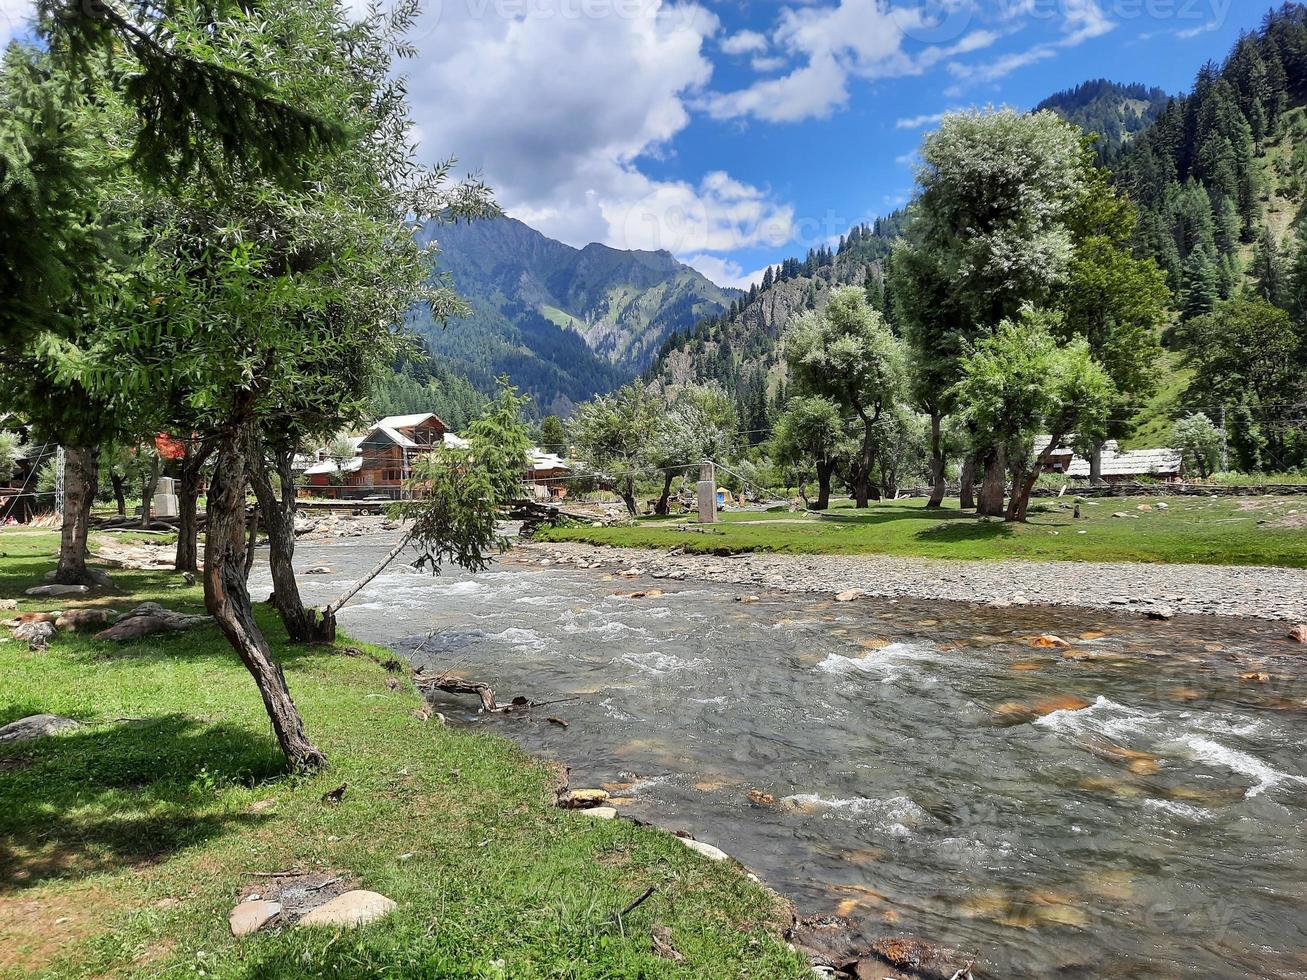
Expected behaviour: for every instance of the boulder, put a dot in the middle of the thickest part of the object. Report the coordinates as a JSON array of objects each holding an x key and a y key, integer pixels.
[
  {"x": 601, "y": 812},
  {"x": 80, "y": 620},
  {"x": 583, "y": 799},
  {"x": 1161, "y": 613},
  {"x": 318, "y": 570},
  {"x": 37, "y": 635},
  {"x": 707, "y": 850},
  {"x": 1299, "y": 634},
  {"x": 33, "y": 617},
  {"x": 146, "y": 619},
  {"x": 98, "y": 579},
  {"x": 8, "y": 604},
  {"x": 58, "y": 590},
  {"x": 1144, "y": 508},
  {"x": 354, "y": 908},
  {"x": 36, "y": 726},
  {"x": 248, "y": 917},
  {"x": 848, "y": 596}
]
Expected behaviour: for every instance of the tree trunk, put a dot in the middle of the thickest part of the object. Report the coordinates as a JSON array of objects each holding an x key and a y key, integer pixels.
[
  {"x": 228, "y": 600},
  {"x": 863, "y": 490},
  {"x": 627, "y": 494},
  {"x": 188, "y": 496},
  {"x": 993, "y": 489},
  {"x": 661, "y": 507},
  {"x": 147, "y": 493},
  {"x": 938, "y": 485},
  {"x": 967, "y": 490},
  {"x": 119, "y": 493},
  {"x": 1096, "y": 465},
  {"x": 1023, "y": 484},
  {"x": 278, "y": 512},
  {"x": 824, "y": 473},
  {"x": 81, "y": 481},
  {"x": 251, "y": 542}
]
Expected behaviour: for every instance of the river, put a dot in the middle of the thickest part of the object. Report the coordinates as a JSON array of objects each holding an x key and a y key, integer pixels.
[{"x": 1133, "y": 805}]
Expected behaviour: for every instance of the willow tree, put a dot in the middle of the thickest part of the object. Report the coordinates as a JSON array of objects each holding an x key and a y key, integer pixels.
[
  {"x": 275, "y": 304},
  {"x": 847, "y": 353},
  {"x": 988, "y": 236}
]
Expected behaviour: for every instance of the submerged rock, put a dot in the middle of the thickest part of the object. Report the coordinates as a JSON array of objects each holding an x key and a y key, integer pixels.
[
  {"x": 584, "y": 799},
  {"x": 1298, "y": 634}
]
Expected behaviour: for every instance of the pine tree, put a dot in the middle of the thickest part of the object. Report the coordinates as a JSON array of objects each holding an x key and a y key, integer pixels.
[{"x": 1200, "y": 289}]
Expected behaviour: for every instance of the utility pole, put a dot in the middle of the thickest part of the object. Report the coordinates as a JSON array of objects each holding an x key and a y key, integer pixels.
[
  {"x": 1225, "y": 449},
  {"x": 707, "y": 493}
]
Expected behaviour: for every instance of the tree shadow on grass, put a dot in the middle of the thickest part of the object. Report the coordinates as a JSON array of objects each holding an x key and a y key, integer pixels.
[
  {"x": 888, "y": 513},
  {"x": 959, "y": 531},
  {"x": 116, "y": 796}
]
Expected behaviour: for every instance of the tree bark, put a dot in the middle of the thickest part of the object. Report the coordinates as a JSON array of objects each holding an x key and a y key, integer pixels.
[
  {"x": 627, "y": 493},
  {"x": 147, "y": 493},
  {"x": 228, "y": 600},
  {"x": 251, "y": 542},
  {"x": 1096, "y": 465},
  {"x": 188, "y": 496},
  {"x": 1023, "y": 483},
  {"x": 119, "y": 493},
  {"x": 938, "y": 485},
  {"x": 661, "y": 507},
  {"x": 81, "y": 481},
  {"x": 993, "y": 490},
  {"x": 278, "y": 513},
  {"x": 967, "y": 490},
  {"x": 864, "y": 490},
  {"x": 825, "y": 471}
]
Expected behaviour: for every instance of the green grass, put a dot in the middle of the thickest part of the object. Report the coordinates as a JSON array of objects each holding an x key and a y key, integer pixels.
[
  {"x": 1192, "y": 530},
  {"x": 1158, "y": 416},
  {"x": 124, "y": 845}
]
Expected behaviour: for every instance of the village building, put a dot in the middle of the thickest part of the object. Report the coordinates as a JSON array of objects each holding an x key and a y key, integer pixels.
[
  {"x": 547, "y": 475},
  {"x": 383, "y": 459},
  {"x": 1118, "y": 465}
]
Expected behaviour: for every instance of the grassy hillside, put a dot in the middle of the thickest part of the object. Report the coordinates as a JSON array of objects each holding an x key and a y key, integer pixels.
[{"x": 124, "y": 844}]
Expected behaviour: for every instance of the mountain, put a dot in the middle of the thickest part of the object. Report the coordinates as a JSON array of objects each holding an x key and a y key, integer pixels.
[
  {"x": 741, "y": 349},
  {"x": 564, "y": 323},
  {"x": 1114, "y": 111}
]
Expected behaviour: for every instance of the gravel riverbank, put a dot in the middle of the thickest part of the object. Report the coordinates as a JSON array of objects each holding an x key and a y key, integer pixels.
[{"x": 1214, "y": 590}]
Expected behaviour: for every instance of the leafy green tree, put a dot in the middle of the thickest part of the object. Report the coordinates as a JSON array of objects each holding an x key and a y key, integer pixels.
[
  {"x": 613, "y": 437},
  {"x": 1199, "y": 442},
  {"x": 812, "y": 437},
  {"x": 990, "y": 234},
  {"x": 551, "y": 435},
  {"x": 10, "y": 454},
  {"x": 848, "y": 354},
  {"x": 1269, "y": 271},
  {"x": 701, "y": 424},
  {"x": 1248, "y": 353},
  {"x": 1019, "y": 383}
]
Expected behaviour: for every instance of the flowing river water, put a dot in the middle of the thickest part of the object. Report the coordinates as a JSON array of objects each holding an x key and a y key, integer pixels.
[{"x": 1133, "y": 806}]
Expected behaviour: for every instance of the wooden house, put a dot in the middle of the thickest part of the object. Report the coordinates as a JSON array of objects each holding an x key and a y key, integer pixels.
[{"x": 383, "y": 458}]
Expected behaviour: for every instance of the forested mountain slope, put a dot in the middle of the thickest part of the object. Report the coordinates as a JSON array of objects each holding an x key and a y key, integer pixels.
[
  {"x": 565, "y": 324},
  {"x": 1114, "y": 111},
  {"x": 740, "y": 349}
]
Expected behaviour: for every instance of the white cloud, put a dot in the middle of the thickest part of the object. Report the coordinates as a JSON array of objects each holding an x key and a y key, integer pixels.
[
  {"x": 726, "y": 272},
  {"x": 745, "y": 42},
  {"x": 917, "y": 122},
  {"x": 557, "y": 108},
  {"x": 14, "y": 15},
  {"x": 767, "y": 64},
  {"x": 1082, "y": 20}
]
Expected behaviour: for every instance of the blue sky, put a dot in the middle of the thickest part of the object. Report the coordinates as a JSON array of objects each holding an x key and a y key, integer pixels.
[{"x": 738, "y": 133}]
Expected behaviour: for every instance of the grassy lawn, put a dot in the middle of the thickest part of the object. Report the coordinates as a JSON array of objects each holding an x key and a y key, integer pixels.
[
  {"x": 1190, "y": 530},
  {"x": 123, "y": 845}
]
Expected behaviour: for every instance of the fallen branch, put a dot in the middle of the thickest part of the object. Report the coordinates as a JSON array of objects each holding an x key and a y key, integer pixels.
[
  {"x": 459, "y": 685},
  {"x": 335, "y": 607},
  {"x": 648, "y": 893}
]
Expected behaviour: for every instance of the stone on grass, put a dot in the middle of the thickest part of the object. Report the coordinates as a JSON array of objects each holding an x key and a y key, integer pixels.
[
  {"x": 248, "y": 917},
  {"x": 58, "y": 590},
  {"x": 355, "y": 908},
  {"x": 146, "y": 619},
  {"x": 85, "y": 619},
  {"x": 601, "y": 812},
  {"x": 37, "y": 633},
  {"x": 8, "y": 604},
  {"x": 36, "y": 726},
  {"x": 707, "y": 850}
]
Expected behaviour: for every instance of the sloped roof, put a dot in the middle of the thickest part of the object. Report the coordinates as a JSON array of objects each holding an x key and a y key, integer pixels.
[
  {"x": 452, "y": 440},
  {"x": 394, "y": 435},
  {"x": 407, "y": 421},
  {"x": 546, "y": 461},
  {"x": 328, "y": 466},
  {"x": 1138, "y": 462}
]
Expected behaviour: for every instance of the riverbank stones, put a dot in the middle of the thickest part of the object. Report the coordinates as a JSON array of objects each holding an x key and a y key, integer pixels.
[{"x": 707, "y": 850}]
